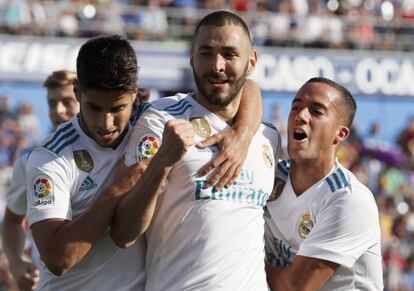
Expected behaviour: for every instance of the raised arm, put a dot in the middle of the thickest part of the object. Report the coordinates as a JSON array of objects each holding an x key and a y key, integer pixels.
[
  {"x": 135, "y": 210},
  {"x": 234, "y": 143},
  {"x": 304, "y": 274}
]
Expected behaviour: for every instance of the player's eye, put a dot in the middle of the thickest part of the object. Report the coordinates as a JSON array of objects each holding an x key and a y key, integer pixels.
[{"x": 118, "y": 108}]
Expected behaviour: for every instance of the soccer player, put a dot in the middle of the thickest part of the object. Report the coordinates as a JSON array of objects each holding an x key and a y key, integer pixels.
[
  {"x": 62, "y": 106},
  {"x": 322, "y": 226},
  {"x": 69, "y": 204},
  {"x": 200, "y": 237}
]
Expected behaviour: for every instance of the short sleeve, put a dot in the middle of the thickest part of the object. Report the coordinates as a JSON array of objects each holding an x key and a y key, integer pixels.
[
  {"x": 16, "y": 198},
  {"x": 48, "y": 180},
  {"x": 345, "y": 228},
  {"x": 146, "y": 137}
]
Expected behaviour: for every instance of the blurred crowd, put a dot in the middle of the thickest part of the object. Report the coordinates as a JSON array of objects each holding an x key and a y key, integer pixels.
[
  {"x": 19, "y": 128},
  {"x": 348, "y": 24},
  {"x": 388, "y": 170}
]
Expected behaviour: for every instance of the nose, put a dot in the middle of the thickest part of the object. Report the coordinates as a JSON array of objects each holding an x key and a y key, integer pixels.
[
  {"x": 218, "y": 63},
  {"x": 302, "y": 116},
  {"x": 60, "y": 109},
  {"x": 107, "y": 121}
]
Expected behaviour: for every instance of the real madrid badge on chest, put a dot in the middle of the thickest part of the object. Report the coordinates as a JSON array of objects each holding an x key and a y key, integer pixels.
[
  {"x": 305, "y": 225},
  {"x": 201, "y": 127},
  {"x": 83, "y": 160}
]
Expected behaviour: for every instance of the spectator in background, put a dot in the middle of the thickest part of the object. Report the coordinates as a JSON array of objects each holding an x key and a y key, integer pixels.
[
  {"x": 406, "y": 139},
  {"x": 29, "y": 122},
  {"x": 5, "y": 109},
  {"x": 62, "y": 106}
]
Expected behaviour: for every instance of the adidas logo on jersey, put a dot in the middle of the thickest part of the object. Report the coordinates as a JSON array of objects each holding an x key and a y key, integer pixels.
[{"x": 87, "y": 184}]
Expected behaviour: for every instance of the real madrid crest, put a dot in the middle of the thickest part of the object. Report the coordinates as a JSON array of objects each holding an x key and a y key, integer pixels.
[
  {"x": 277, "y": 189},
  {"x": 267, "y": 156},
  {"x": 83, "y": 160},
  {"x": 305, "y": 225},
  {"x": 201, "y": 126}
]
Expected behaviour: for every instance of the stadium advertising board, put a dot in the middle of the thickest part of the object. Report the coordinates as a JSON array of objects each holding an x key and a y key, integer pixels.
[{"x": 165, "y": 66}]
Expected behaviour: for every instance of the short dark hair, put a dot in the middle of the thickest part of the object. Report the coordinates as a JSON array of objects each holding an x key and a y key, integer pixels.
[
  {"x": 346, "y": 96},
  {"x": 107, "y": 63},
  {"x": 59, "y": 79},
  {"x": 222, "y": 18}
]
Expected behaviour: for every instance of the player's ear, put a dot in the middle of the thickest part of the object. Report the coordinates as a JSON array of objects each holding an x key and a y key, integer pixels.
[
  {"x": 252, "y": 62},
  {"x": 341, "y": 134}
]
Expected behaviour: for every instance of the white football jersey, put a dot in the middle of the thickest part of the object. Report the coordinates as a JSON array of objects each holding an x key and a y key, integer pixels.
[
  {"x": 64, "y": 176},
  {"x": 16, "y": 198},
  {"x": 201, "y": 238},
  {"x": 334, "y": 220}
]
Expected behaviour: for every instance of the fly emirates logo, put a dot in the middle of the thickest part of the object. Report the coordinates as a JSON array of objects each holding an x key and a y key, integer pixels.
[{"x": 243, "y": 190}]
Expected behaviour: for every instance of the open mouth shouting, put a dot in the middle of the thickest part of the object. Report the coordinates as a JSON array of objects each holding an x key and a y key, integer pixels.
[{"x": 299, "y": 134}]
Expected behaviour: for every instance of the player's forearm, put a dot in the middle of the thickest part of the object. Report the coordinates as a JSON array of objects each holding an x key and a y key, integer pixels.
[
  {"x": 304, "y": 274},
  {"x": 69, "y": 242},
  {"x": 135, "y": 210},
  {"x": 13, "y": 236},
  {"x": 250, "y": 113}
]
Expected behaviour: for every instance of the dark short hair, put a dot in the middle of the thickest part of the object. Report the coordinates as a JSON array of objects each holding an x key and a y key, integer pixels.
[
  {"x": 348, "y": 100},
  {"x": 107, "y": 63},
  {"x": 59, "y": 79},
  {"x": 222, "y": 18}
]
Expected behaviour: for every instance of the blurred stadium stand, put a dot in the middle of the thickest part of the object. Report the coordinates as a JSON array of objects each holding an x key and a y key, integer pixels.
[{"x": 365, "y": 45}]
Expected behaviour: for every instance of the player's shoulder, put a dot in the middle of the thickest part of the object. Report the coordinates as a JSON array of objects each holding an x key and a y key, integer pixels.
[
  {"x": 60, "y": 141},
  {"x": 167, "y": 108},
  {"x": 344, "y": 183},
  {"x": 175, "y": 105},
  {"x": 270, "y": 132}
]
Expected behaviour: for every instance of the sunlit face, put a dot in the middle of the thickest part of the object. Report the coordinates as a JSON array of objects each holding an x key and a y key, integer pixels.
[
  {"x": 221, "y": 59},
  {"x": 62, "y": 104},
  {"x": 105, "y": 114},
  {"x": 315, "y": 126}
]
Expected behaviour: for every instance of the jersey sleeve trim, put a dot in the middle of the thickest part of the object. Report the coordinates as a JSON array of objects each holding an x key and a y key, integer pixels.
[
  {"x": 179, "y": 108},
  {"x": 44, "y": 214},
  {"x": 337, "y": 180}
]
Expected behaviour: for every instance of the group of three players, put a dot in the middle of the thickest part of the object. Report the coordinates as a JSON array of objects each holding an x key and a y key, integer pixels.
[{"x": 174, "y": 194}]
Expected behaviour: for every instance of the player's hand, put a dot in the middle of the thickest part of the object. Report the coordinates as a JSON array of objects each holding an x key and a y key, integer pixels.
[
  {"x": 128, "y": 176},
  {"x": 178, "y": 137},
  {"x": 25, "y": 274},
  {"x": 233, "y": 147}
]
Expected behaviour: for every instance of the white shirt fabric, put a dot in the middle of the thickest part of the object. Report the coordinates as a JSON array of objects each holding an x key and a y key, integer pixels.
[
  {"x": 17, "y": 199},
  {"x": 200, "y": 239},
  {"x": 61, "y": 188},
  {"x": 334, "y": 220}
]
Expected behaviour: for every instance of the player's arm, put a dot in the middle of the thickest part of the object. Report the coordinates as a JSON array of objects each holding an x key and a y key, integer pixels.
[
  {"x": 304, "y": 274},
  {"x": 135, "y": 210},
  {"x": 64, "y": 242},
  {"x": 234, "y": 143},
  {"x": 14, "y": 235},
  {"x": 24, "y": 272}
]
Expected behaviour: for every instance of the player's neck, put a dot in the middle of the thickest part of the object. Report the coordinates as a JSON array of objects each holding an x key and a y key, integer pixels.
[
  {"x": 304, "y": 174},
  {"x": 226, "y": 113}
]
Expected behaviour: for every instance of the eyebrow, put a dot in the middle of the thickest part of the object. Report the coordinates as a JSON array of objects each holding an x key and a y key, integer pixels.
[
  {"x": 318, "y": 104},
  {"x": 209, "y": 47}
]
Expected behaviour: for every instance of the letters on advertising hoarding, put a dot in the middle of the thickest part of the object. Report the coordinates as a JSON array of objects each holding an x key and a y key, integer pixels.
[{"x": 166, "y": 67}]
